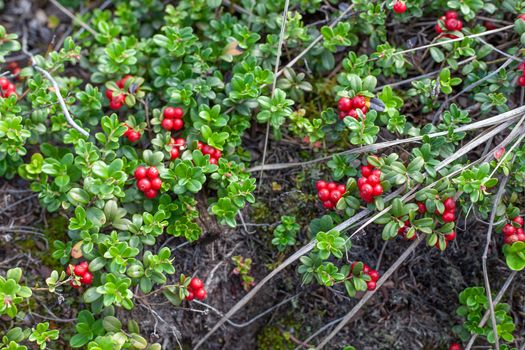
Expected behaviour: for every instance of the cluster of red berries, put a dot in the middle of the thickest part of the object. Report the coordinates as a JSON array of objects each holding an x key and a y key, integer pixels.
[
  {"x": 131, "y": 134},
  {"x": 116, "y": 102},
  {"x": 373, "y": 274},
  {"x": 196, "y": 290},
  {"x": 81, "y": 270},
  {"x": 448, "y": 214},
  {"x": 521, "y": 79},
  {"x": 449, "y": 22},
  {"x": 172, "y": 119},
  {"x": 348, "y": 106},
  {"x": 7, "y": 88},
  {"x": 214, "y": 153},
  {"x": 148, "y": 181},
  {"x": 177, "y": 145},
  {"x": 400, "y": 7},
  {"x": 369, "y": 183},
  {"x": 513, "y": 232},
  {"x": 329, "y": 193}
]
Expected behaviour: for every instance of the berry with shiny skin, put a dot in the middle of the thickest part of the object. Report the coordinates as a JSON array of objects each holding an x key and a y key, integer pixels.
[
  {"x": 151, "y": 193},
  {"x": 140, "y": 173},
  {"x": 143, "y": 185},
  {"x": 344, "y": 104},
  {"x": 133, "y": 136},
  {"x": 399, "y": 7},
  {"x": 152, "y": 173},
  {"x": 200, "y": 294},
  {"x": 156, "y": 184},
  {"x": 87, "y": 278},
  {"x": 196, "y": 283}
]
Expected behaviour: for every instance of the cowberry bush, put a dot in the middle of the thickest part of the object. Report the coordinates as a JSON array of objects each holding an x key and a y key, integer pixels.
[{"x": 150, "y": 123}]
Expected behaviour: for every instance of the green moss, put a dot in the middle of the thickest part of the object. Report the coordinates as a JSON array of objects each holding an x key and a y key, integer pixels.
[
  {"x": 272, "y": 338},
  {"x": 55, "y": 230}
]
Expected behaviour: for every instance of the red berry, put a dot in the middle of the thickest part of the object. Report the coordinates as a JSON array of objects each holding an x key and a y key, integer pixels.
[
  {"x": 196, "y": 283},
  {"x": 9, "y": 92},
  {"x": 177, "y": 124},
  {"x": 151, "y": 193},
  {"x": 520, "y": 231},
  {"x": 451, "y": 14},
  {"x": 180, "y": 142},
  {"x": 454, "y": 346},
  {"x": 421, "y": 207},
  {"x": 156, "y": 184},
  {"x": 4, "y": 83},
  {"x": 144, "y": 185},
  {"x": 342, "y": 189},
  {"x": 109, "y": 94},
  {"x": 344, "y": 104},
  {"x": 169, "y": 112},
  {"x": 451, "y": 23},
  {"x": 335, "y": 195},
  {"x": 377, "y": 173},
  {"x": 190, "y": 296},
  {"x": 359, "y": 101},
  {"x": 174, "y": 153},
  {"x": 353, "y": 114},
  {"x": 69, "y": 269},
  {"x": 521, "y": 237},
  {"x": 374, "y": 275},
  {"x": 328, "y": 204},
  {"x": 448, "y": 217},
  {"x": 522, "y": 16},
  {"x": 459, "y": 26},
  {"x": 361, "y": 181},
  {"x": 200, "y": 145},
  {"x": 179, "y": 113},
  {"x": 518, "y": 220},
  {"x": 200, "y": 294},
  {"x": 80, "y": 269},
  {"x": 450, "y": 204},
  {"x": 366, "y": 171},
  {"x": 207, "y": 150},
  {"x": 508, "y": 230},
  {"x": 167, "y": 124},
  {"x": 320, "y": 185},
  {"x": 373, "y": 179},
  {"x": 366, "y": 268},
  {"x": 140, "y": 173},
  {"x": 213, "y": 160},
  {"x": 364, "y": 109},
  {"x": 400, "y": 7},
  {"x": 217, "y": 154},
  {"x": 152, "y": 173},
  {"x": 324, "y": 194},
  {"x": 451, "y": 236},
  {"x": 120, "y": 83},
  {"x": 521, "y": 81},
  {"x": 511, "y": 239},
  {"x": 438, "y": 28},
  {"x": 87, "y": 278},
  {"x": 367, "y": 190},
  {"x": 370, "y": 285},
  {"x": 331, "y": 186},
  {"x": 133, "y": 136},
  {"x": 115, "y": 104},
  {"x": 489, "y": 25},
  {"x": 378, "y": 190},
  {"x": 342, "y": 115}
]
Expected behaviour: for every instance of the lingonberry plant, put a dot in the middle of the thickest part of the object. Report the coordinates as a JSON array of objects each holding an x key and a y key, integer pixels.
[{"x": 147, "y": 124}]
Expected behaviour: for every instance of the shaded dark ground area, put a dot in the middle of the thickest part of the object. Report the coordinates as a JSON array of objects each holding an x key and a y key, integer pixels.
[{"x": 414, "y": 310}]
